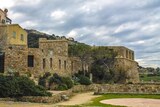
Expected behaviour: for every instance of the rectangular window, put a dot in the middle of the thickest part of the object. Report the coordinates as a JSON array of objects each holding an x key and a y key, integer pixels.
[
  {"x": 51, "y": 62},
  {"x": 59, "y": 64},
  {"x": 14, "y": 34},
  {"x": 72, "y": 66},
  {"x": 22, "y": 37},
  {"x": 2, "y": 59},
  {"x": 44, "y": 63},
  {"x": 30, "y": 61},
  {"x": 126, "y": 53},
  {"x": 132, "y": 56},
  {"x": 65, "y": 65}
]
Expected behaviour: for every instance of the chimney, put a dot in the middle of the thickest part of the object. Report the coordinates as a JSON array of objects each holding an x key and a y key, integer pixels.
[{"x": 6, "y": 11}]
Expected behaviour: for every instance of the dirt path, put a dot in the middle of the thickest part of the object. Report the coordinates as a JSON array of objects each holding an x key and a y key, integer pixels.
[
  {"x": 79, "y": 99},
  {"x": 133, "y": 102},
  {"x": 75, "y": 100},
  {"x": 22, "y": 104}
]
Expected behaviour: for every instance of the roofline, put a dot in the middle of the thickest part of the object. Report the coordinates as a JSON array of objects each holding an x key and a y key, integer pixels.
[
  {"x": 44, "y": 41},
  {"x": 2, "y": 10},
  {"x": 6, "y": 25},
  {"x": 116, "y": 46}
]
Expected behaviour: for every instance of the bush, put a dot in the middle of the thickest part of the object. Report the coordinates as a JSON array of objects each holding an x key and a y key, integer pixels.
[
  {"x": 42, "y": 80},
  {"x": 68, "y": 81},
  {"x": 11, "y": 86},
  {"x": 63, "y": 83},
  {"x": 62, "y": 87},
  {"x": 84, "y": 80}
]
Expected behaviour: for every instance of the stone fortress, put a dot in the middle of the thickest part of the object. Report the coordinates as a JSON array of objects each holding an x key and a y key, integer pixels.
[{"x": 51, "y": 55}]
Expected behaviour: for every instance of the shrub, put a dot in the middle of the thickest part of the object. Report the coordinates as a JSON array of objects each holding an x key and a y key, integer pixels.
[
  {"x": 75, "y": 80},
  {"x": 63, "y": 83},
  {"x": 11, "y": 86},
  {"x": 68, "y": 81},
  {"x": 84, "y": 80},
  {"x": 43, "y": 79},
  {"x": 62, "y": 87}
]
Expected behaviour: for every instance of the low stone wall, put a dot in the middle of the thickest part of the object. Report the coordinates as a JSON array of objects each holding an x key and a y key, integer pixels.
[
  {"x": 39, "y": 99},
  {"x": 97, "y": 88},
  {"x": 84, "y": 88},
  {"x": 129, "y": 88}
]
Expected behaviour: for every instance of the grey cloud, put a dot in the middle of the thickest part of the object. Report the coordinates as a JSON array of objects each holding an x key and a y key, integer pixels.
[{"x": 110, "y": 17}]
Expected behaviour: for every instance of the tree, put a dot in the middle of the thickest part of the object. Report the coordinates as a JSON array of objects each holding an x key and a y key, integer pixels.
[
  {"x": 82, "y": 51},
  {"x": 104, "y": 56},
  {"x": 102, "y": 66}
]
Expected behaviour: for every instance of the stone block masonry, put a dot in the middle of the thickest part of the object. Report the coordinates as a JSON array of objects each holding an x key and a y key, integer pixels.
[
  {"x": 52, "y": 56},
  {"x": 15, "y": 59}
]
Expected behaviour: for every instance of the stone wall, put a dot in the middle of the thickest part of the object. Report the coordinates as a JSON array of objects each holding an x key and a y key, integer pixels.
[
  {"x": 119, "y": 88},
  {"x": 128, "y": 88},
  {"x": 52, "y": 56},
  {"x": 128, "y": 68},
  {"x": 123, "y": 52},
  {"x": 97, "y": 88},
  {"x": 38, "y": 99},
  {"x": 16, "y": 59}
]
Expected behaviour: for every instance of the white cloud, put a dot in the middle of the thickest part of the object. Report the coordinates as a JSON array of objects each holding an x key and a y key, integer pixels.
[
  {"x": 72, "y": 33},
  {"x": 28, "y": 2},
  {"x": 29, "y": 24},
  {"x": 58, "y": 14},
  {"x": 6, "y": 3},
  {"x": 132, "y": 23}
]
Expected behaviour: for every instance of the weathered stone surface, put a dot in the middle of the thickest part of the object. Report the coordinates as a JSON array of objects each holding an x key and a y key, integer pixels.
[
  {"x": 55, "y": 54},
  {"x": 52, "y": 56},
  {"x": 125, "y": 63},
  {"x": 15, "y": 59},
  {"x": 129, "y": 88}
]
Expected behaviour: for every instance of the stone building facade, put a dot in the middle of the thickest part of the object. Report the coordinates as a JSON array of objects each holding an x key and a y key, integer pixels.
[
  {"x": 13, "y": 48},
  {"x": 50, "y": 56},
  {"x": 125, "y": 62}
]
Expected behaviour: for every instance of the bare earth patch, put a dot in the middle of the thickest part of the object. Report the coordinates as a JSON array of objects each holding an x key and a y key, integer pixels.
[
  {"x": 133, "y": 102},
  {"x": 79, "y": 99},
  {"x": 22, "y": 104}
]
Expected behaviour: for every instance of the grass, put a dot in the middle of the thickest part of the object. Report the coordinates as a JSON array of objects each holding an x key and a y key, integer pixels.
[
  {"x": 96, "y": 101},
  {"x": 146, "y": 78}
]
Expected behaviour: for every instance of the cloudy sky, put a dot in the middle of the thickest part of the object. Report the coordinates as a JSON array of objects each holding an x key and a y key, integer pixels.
[{"x": 131, "y": 23}]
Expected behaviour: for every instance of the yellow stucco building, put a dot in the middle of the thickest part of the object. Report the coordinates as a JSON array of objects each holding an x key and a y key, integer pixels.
[{"x": 15, "y": 34}]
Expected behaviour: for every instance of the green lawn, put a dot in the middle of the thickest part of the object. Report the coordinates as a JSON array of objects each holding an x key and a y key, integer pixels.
[
  {"x": 96, "y": 102},
  {"x": 146, "y": 78}
]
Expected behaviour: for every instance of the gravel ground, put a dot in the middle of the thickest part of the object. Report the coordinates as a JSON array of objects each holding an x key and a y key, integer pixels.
[
  {"x": 78, "y": 99},
  {"x": 133, "y": 102}
]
